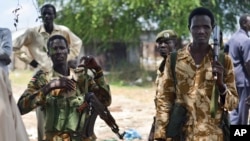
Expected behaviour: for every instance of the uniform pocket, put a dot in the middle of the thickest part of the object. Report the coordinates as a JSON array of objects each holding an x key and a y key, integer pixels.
[
  {"x": 51, "y": 113},
  {"x": 73, "y": 115},
  {"x": 209, "y": 80}
]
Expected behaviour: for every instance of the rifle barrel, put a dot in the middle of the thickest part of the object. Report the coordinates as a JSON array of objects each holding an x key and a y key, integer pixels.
[{"x": 216, "y": 45}]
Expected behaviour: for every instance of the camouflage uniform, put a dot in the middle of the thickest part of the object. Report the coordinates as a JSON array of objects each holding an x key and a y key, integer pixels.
[
  {"x": 61, "y": 116},
  {"x": 162, "y": 48},
  {"x": 31, "y": 45},
  {"x": 167, "y": 35},
  {"x": 158, "y": 80},
  {"x": 194, "y": 90}
]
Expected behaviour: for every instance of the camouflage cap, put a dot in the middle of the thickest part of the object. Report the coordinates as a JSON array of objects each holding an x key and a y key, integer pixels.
[{"x": 168, "y": 34}]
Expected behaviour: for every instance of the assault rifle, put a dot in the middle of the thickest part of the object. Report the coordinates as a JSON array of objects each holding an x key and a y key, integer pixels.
[
  {"x": 224, "y": 123},
  {"x": 216, "y": 45},
  {"x": 97, "y": 108}
]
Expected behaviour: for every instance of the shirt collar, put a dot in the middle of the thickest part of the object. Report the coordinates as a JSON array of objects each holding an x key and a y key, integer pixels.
[
  {"x": 72, "y": 75},
  {"x": 55, "y": 28},
  {"x": 241, "y": 30}
]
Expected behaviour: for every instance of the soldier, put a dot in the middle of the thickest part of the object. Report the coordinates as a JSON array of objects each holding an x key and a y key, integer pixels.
[
  {"x": 35, "y": 39},
  {"x": 12, "y": 127},
  {"x": 194, "y": 71},
  {"x": 166, "y": 42},
  {"x": 62, "y": 91}
]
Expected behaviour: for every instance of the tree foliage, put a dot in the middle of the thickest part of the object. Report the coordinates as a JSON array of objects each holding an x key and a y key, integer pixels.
[
  {"x": 227, "y": 12},
  {"x": 99, "y": 21}
]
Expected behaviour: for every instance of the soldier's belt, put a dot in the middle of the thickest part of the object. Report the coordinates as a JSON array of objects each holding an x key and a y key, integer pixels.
[
  {"x": 57, "y": 136},
  {"x": 67, "y": 136},
  {"x": 62, "y": 135}
]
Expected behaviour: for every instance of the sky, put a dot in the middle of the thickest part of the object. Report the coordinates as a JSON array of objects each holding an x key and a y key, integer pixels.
[{"x": 27, "y": 14}]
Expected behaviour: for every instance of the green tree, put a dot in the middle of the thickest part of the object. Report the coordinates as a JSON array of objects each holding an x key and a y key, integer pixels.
[
  {"x": 99, "y": 21},
  {"x": 121, "y": 20},
  {"x": 104, "y": 25},
  {"x": 227, "y": 12}
]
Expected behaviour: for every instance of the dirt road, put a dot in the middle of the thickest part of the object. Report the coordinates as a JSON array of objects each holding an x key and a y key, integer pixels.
[{"x": 132, "y": 108}]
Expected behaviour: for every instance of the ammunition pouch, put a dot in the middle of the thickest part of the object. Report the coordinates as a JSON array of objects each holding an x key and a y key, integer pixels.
[
  {"x": 69, "y": 136},
  {"x": 65, "y": 116},
  {"x": 225, "y": 125},
  {"x": 177, "y": 119}
]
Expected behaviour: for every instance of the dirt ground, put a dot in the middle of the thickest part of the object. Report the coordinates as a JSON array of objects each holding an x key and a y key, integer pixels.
[{"x": 132, "y": 108}]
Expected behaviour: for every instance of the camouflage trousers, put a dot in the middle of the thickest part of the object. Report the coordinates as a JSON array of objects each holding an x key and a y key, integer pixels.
[{"x": 59, "y": 136}]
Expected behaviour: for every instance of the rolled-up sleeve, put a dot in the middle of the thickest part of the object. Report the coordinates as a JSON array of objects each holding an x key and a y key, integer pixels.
[{"x": 231, "y": 98}]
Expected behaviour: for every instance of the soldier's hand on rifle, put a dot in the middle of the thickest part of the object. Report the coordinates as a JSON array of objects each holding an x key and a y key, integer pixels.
[
  {"x": 218, "y": 71},
  {"x": 90, "y": 63},
  {"x": 61, "y": 83}
]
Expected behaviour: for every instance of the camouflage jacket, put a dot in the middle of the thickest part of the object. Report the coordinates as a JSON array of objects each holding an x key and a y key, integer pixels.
[
  {"x": 194, "y": 90},
  {"x": 158, "y": 79},
  {"x": 60, "y": 105}
]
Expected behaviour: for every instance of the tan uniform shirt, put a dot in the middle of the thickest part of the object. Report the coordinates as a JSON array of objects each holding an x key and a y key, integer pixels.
[
  {"x": 158, "y": 82},
  {"x": 12, "y": 126},
  {"x": 35, "y": 40},
  {"x": 194, "y": 87}
]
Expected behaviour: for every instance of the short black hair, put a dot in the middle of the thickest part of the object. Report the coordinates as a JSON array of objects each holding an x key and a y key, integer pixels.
[
  {"x": 201, "y": 11},
  {"x": 243, "y": 19},
  {"x": 54, "y": 37},
  {"x": 47, "y": 6}
]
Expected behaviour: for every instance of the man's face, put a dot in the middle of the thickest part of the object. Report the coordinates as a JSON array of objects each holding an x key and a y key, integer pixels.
[
  {"x": 247, "y": 24},
  {"x": 48, "y": 15},
  {"x": 58, "y": 51},
  {"x": 201, "y": 29},
  {"x": 165, "y": 46}
]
